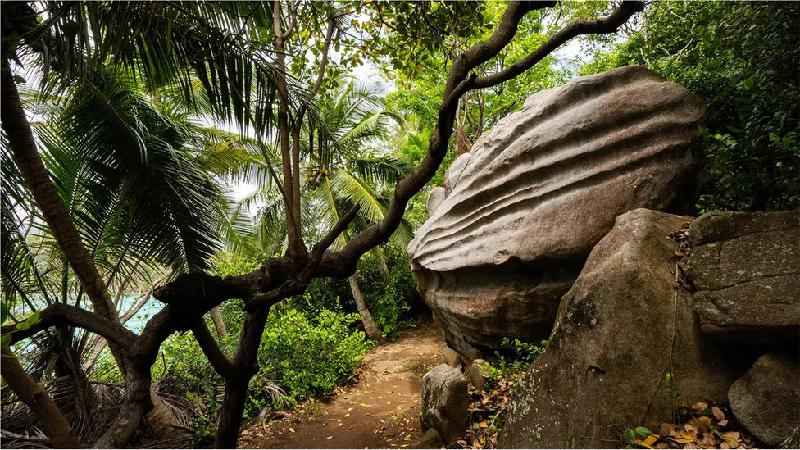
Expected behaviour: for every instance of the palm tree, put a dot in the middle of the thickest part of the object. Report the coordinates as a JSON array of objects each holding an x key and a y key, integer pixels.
[
  {"x": 343, "y": 165},
  {"x": 144, "y": 213},
  {"x": 347, "y": 167},
  {"x": 215, "y": 44}
]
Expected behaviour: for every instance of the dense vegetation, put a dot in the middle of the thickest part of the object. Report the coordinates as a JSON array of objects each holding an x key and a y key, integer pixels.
[
  {"x": 169, "y": 170},
  {"x": 742, "y": 59}
]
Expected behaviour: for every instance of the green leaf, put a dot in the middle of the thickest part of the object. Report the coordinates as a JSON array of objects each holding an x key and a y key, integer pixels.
[
  {"x": 29, "y": 321},
  {"x": 629, "y": 436},
  {"x": 642, "y": 431}
]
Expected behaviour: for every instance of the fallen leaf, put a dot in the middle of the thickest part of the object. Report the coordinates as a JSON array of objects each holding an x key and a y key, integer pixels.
[
  {"x": 718, "y": 414},
  {"x": 648, "y": 441},
  {"x": 666, "y": 429},
  {"x": 700, "y": 406},
  {"x": 702, "y": 423},
  {"x": 329, "y": 438},
  {"x": 731, "y": 438},
  {"x": 291, "y": 430},
  {"x": 483, "y": 424}
]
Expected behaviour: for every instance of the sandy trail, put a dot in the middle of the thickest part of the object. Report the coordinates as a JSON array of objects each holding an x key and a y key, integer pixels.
[{"x": 380, "y": 411}]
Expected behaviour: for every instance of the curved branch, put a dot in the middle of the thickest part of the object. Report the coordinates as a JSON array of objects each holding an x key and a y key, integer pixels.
[
  {"x": 605, "y": 25},
  {"x": 63, "y": 314},
  {"x": 459, "y": 82},
  {"x": 215, "y": 356}
]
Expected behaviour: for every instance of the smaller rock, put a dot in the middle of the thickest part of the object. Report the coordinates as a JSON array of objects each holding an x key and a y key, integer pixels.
[
  {"x": 744, "y": 268},
  {"x": 474, "y": 375},
  {"x": 766, "y": 400},
  {"x": 451, "y": 357},
  {"x": 445, "y": 402}
]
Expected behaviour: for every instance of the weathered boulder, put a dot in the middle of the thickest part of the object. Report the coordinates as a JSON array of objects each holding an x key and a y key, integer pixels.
[
  {"x": 445, "y": 402},
  {"x": 624, "y": 343},
  {"x": 767, "y": 399},
  {"x": 745, "y": 268},
  {"x": 525, "y": 206}
]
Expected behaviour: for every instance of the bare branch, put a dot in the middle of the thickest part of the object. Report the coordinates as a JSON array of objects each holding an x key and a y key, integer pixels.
[
  {"x": 62, "y": 314},
  {"x": 215, "y": 356},
  {"x": 605, "y": 25},
  {"x": 459, "y": 82},
  {"x": 338, "y": 229}
]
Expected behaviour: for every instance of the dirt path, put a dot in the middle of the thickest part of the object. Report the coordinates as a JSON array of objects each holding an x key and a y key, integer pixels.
[{"x": 380, "y": 411}]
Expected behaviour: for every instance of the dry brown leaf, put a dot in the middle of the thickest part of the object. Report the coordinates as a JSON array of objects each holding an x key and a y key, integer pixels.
[
  {"x": 731, "y": 438},
  {"x": 707, "y": 441},
  {"x": 702, "y": 423},
  {"x": 718, "y": 414},
  {"x": 700, "y": 406}
]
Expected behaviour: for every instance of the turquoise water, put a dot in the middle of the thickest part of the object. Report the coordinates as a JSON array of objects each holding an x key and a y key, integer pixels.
[{"x": 137, "y": 322}]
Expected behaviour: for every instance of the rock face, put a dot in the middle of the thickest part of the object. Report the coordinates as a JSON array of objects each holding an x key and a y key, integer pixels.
[
  {"x": 767, "y": 399},
  {"x": 445, "y": 402},
  {"x": 746, "y": 270},
  {"x": 525, "y": 206},
  {"x": 625, "y": 342}
]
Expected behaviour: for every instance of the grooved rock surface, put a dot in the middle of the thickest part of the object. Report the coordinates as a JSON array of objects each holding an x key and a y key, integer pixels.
[
  {"x": 767, "y": 399},
  {"x": 621, "y": 329},
  {"x": 445, "y": 402},
  {"x": 525, "y": 206},
  {"x": 746, "y": 270}
]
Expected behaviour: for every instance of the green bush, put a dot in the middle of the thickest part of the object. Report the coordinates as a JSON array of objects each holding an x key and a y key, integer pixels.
[
  {"x": 310, "y": 356},
  {"x": 742, "y": 59},
  {"x": 388, "y": 293}
]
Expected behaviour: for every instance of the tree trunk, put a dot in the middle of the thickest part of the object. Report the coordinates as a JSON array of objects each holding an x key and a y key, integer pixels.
[
  {"x": 246, "y": 365},
  {"x": 219, "y": 324},
  {"x": 370, "y": 327},
  {"x": 136, "y": 405},
  {"x": 55, "y": 425},
  {"x": 230, "y": 415},
  {"x": 23, "y": 146}
]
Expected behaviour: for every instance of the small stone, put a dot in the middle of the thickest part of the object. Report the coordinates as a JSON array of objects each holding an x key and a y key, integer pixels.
[{"x": 766, "y": 400}]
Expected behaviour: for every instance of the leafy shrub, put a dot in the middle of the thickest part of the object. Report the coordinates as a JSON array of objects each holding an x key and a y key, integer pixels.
[
  {"x": 513, "y": 356},
  {"x": 388, "y": 294},
  {"x": 310, "y": 356},
  {"x": 742, "y": 59}
]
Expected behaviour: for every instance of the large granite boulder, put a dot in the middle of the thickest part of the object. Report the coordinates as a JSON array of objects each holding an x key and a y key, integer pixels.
[
  {"x": 767, "y": 399},
  {"x": 745, "y": 268},
  {"x": 525, "y": 206},
  {"x": 624, "y": 344}
]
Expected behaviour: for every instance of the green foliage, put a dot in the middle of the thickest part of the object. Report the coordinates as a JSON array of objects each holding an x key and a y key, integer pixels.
[
  {"x": 513, "y": 355},
  {"x": 389, "y": 287},
  {"x": 631, "y": 435},
  {"x": 742, "y": 58},
  {"x": 310, "y": 356}
]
